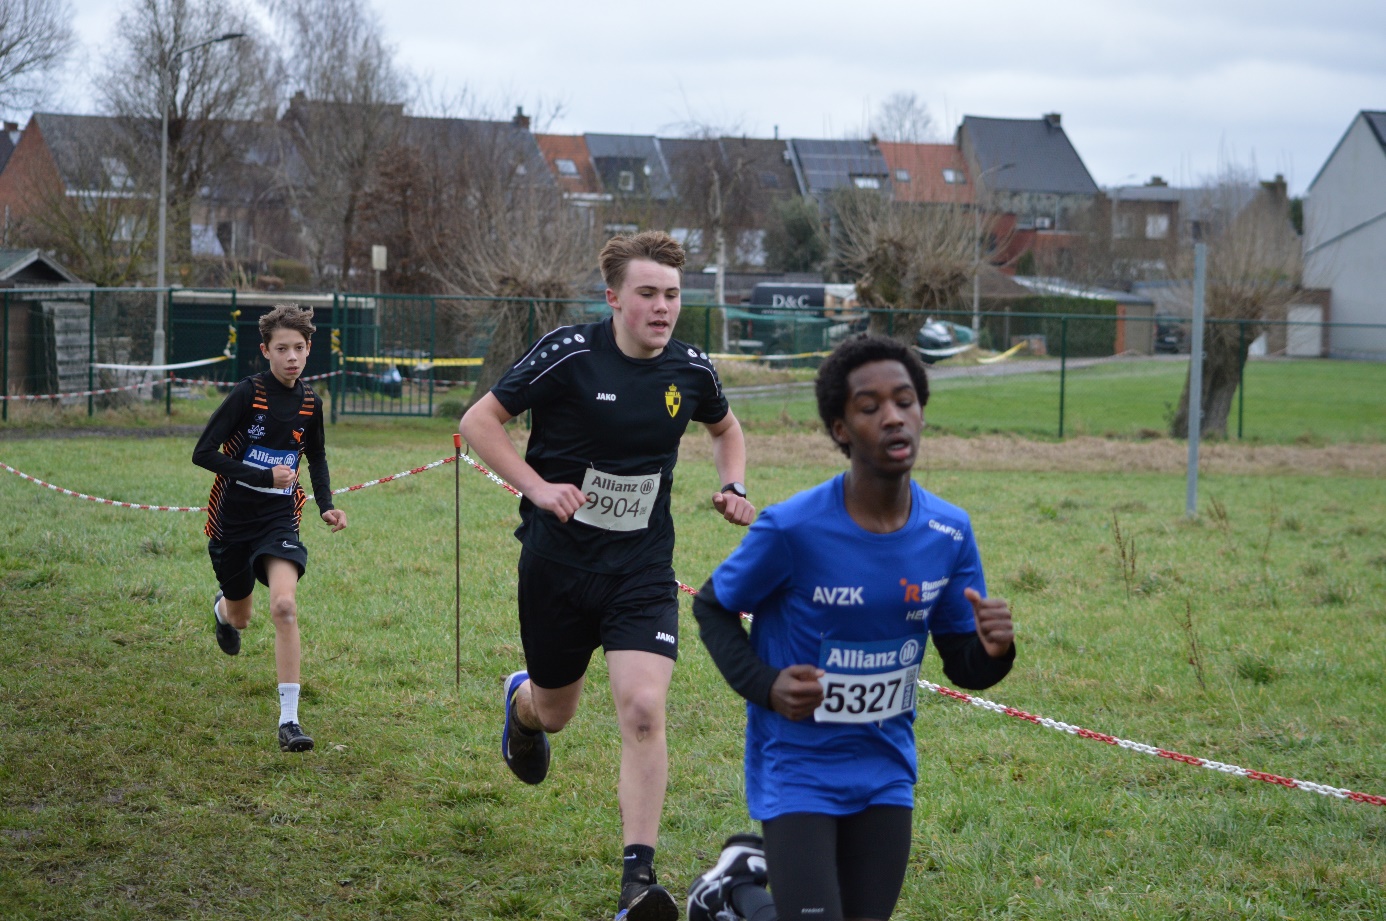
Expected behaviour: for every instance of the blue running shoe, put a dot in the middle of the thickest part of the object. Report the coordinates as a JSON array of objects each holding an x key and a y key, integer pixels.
[{"x": 526, "y": 752}]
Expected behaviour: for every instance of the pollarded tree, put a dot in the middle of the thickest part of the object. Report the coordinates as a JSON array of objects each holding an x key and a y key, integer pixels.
[
  {"x": 1253, "y": 272},
  {"x": 915, "y": 258}
]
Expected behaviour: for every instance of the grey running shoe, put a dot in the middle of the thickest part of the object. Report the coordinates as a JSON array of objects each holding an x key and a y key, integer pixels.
[
  {"x": 526, "y": 753},
  {"x": 292, "y": 738},
  {"x": 228, "y": 637}
]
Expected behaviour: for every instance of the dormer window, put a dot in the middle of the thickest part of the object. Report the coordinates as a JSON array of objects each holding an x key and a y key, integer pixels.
[
  {"x": 954, "y": 177},
  {"x": 866, "y": 182},
  {"x": 626, "y": 181}
]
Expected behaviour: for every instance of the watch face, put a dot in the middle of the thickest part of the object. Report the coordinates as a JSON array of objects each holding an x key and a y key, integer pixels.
[{"x": 736, "y": 488}]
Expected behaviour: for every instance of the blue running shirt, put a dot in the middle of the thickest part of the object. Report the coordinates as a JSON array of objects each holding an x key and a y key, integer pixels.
[{"x": 825, "y": 592}]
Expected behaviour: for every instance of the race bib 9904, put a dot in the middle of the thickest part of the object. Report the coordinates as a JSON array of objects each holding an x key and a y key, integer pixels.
[
  {"x": 617, "y": 503},
  {"x": 868, "y": 682}
]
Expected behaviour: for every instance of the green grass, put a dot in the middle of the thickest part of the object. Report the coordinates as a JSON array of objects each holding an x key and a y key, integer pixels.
[
  {"x": 139, "y": 776},
  {"x": 1285, "y": 402}
]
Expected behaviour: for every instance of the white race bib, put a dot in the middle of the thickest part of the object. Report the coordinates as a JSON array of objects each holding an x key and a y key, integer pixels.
[
  {"x": 618, "y": 503},
  {"x": 266, "y": 459},
  {"x": 868, "y": 682}
]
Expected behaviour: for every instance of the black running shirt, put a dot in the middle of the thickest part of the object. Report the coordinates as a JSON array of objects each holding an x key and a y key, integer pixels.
[
  {"x": 595, "y": 408},
  {"x": 262, "y": 423}
]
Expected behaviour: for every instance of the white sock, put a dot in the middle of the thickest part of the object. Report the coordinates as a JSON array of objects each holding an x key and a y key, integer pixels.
[
  {"x": 288, "y": 703},
  {"x": 221, "y": 618}
]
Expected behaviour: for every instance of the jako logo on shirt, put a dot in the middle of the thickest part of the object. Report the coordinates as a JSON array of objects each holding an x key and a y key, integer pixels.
[
  {"x": 664, "y": 637},
  {"x": 945, "y": 529},
  {"x": 838, "y": 595},
  {"x": 607, "y": 397}
]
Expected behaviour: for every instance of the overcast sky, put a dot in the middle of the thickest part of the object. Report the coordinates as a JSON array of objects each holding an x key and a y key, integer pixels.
[{"x": 1176, "y": 88}]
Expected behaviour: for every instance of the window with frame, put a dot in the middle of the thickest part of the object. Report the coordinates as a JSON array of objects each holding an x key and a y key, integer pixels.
[
  {"x": 565, "y": 166},
  {"x": 625, "y": 181},
  {"x": 866, "y": 182},
  {"x": 902, "y": 175},
  {"x": 1156, "y": 226},
  {"x": 954, "y": 177}
]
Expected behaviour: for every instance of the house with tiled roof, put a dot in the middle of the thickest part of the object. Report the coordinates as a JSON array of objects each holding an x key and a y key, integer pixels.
[
  {"x": 571, "y": 166},
  {"x": 927, "y": 173},
  {"x": 1345, "y": 235},
  {"x": 631, "y": 166}
]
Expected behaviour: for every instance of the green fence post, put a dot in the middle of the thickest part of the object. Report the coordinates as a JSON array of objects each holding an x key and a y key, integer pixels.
[
  {"x": 91, "y": 355},
  {"x": 1241, "y": 375},
  {"x": 334, "y": 338},
  {"x": 5, "y": 358},
  {"x": 432, "y": 349},
  {"x": 1063, "y": 368}
]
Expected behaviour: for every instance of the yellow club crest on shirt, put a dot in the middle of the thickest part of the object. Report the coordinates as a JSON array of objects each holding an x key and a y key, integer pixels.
[{"x": 673, "y": 400}]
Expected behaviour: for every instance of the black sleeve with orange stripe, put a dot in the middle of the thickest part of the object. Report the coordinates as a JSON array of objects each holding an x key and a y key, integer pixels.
[
  {"x": 315, "y": 452},
  {"x": 210, "y": 452}
]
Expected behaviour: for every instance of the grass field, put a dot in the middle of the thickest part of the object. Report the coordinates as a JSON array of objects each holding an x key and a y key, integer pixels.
[
  {"x": 1285, "y": 402},
  {"x": 139, "y": 776}
]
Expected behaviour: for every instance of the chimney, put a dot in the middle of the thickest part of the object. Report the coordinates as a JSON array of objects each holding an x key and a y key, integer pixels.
[
  {"x": 11, "y": 126},
  {"x": 1157, "y": 182},
  {"x": 1052, "y": 119},
  {"x": 521, "y": 120}
]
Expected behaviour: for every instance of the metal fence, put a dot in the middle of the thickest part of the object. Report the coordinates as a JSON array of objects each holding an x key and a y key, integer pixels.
[{"x": 1053, "y": 374}]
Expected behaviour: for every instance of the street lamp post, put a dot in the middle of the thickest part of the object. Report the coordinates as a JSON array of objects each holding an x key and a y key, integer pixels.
[
  {"x": 977, "y": 245},
  {"x": 161, "y": 298}
]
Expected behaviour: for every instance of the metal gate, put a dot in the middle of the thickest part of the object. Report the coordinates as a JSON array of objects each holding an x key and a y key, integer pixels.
[{"x": 382, "y": 349}]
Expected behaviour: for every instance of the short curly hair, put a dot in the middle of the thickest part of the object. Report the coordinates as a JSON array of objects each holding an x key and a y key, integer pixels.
[
  {"x": 654, "y": 245},
  {"x": 830, "y": 387},
  {"x": 297, "y": 317}
]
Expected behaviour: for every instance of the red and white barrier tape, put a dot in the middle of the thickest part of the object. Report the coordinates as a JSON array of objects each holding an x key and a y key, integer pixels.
[
  {"x": 74, "y": 393},
  {"x": 98, "y": 499},
  {"x": 202, "y": 508},
  {"x": 1144, "y": 749}
]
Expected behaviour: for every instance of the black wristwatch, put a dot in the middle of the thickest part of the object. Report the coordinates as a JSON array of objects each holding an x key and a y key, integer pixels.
[{"x": 736, "y": 489}]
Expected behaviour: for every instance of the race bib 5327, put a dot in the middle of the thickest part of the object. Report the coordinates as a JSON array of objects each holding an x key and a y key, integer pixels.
[{"x": 867, "y": 682}]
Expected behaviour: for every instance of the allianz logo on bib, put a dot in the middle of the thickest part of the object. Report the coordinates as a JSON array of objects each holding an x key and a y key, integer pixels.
[
  {"x": 259, "y": 455},
  {"x": 838, "y": 595}
]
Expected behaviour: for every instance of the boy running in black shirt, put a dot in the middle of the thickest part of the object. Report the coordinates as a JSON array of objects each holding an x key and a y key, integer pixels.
[
  {"x": 610, "y": 402},
  {"x": 253, "y": 443}
]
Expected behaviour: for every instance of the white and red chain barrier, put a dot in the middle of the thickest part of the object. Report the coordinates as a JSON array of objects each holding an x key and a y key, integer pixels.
[
  {"x": 1141, "y": 747},
  {"x": 1232, "y": 769},
  {"x": 202, "y": 508}
]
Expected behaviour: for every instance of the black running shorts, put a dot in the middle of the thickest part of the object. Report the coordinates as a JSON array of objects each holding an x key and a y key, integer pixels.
[
  {"x": 238, "y": 564},
  {"x": 829, "y": 867},
  {"x": 566, "y": 613}
]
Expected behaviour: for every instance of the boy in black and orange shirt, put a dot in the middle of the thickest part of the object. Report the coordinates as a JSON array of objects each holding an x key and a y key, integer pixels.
[{"x": 253, "y": 443}]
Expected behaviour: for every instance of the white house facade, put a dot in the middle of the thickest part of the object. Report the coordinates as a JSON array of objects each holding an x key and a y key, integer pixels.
[{"x": 1345, "y": 237}]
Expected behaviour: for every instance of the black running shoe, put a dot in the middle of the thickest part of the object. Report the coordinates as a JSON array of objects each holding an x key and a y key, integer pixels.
[
  {"x": 526, "y": 753},
  {"x": 646, "y": 902},
  {"x": 228, "y": 637},
  {"x": 292, "y": 738},
  {"x": 742, "y": 861}
]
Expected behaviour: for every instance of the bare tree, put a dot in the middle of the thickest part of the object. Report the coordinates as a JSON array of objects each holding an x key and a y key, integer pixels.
[
  {"x": 1253, "y": 272},
  {"x": 204, "y": 91},
  {"x": 496, "y": 225},
  {"x": 89, "y": 210},
  {"x": 902, "y": 117},
  {"x": 35, "y": 39},
  {"x": 347, "y": 110},
  {"x": 916, "y": 258}
]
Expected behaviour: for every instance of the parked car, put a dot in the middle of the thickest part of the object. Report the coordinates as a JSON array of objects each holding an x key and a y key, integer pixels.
[
  {"x": 1171, "y": 337},
  {"x": 939, "y": 339}
]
